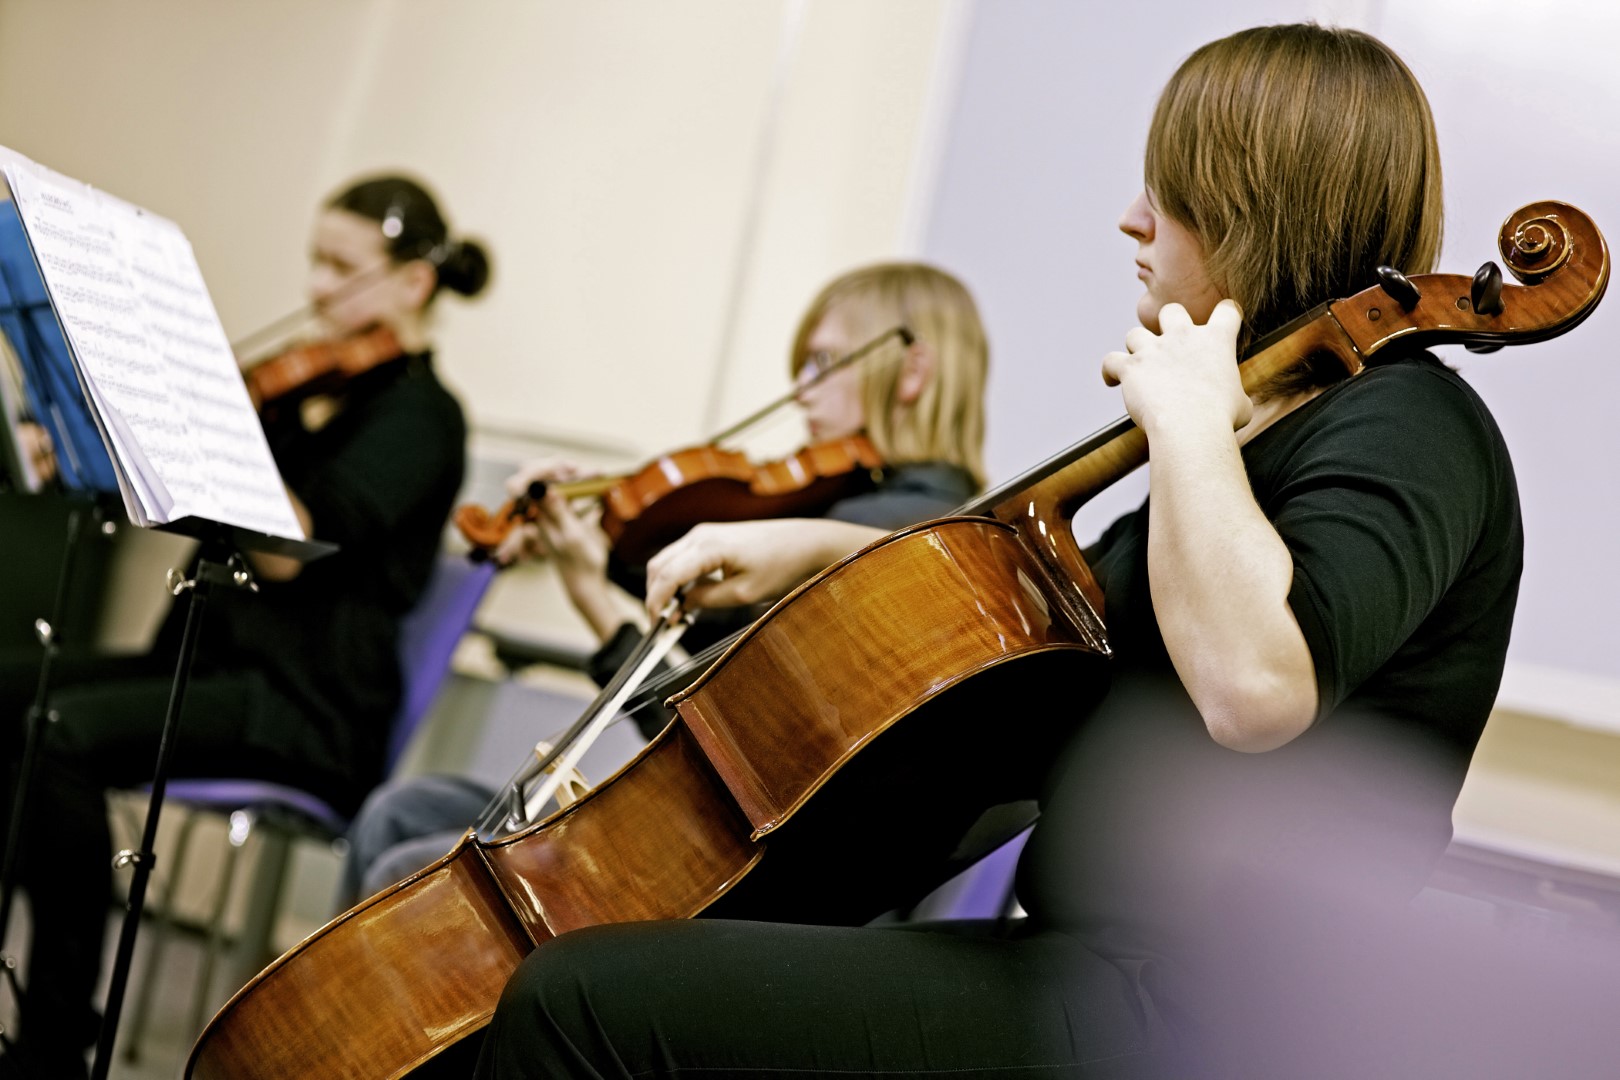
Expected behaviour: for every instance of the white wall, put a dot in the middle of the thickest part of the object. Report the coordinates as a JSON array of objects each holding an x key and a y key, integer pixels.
[
  {"x": 1527, "y": 99},
  {"x": 610, "y": 153}
]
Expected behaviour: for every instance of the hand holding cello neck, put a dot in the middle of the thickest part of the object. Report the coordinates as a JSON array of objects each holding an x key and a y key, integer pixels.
[{"x": 1555, "y": 251}]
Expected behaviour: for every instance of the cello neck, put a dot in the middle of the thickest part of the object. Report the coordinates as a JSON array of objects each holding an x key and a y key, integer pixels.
[{"x": 1553, "y": 248}]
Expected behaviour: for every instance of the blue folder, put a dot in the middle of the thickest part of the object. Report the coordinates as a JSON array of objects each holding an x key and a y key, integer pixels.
[{"x": 50, "y": 385}]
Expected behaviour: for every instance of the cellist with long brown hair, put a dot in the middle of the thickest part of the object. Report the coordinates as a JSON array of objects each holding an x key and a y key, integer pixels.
[{"x": 1309, "y": 618}]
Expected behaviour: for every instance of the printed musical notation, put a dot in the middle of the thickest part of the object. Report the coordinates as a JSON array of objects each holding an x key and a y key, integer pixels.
[{"x": 156, "y": 365}]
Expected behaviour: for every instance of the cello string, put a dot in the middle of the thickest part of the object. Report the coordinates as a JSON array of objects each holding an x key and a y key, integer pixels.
[
  {"x": 509, "y": 801},
  {"x": 662, "y": 638}
]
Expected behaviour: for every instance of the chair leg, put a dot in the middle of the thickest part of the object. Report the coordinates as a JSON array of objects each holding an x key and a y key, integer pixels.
[
  {"x": 163, "y": 921},
  {"x": 258, "y": 925},
  {"x": 241, "y": 827},
  {"x": 254, "y": 948}
]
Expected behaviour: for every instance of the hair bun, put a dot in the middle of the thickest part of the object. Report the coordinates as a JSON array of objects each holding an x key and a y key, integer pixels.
[{"x": 465, "y": 269}]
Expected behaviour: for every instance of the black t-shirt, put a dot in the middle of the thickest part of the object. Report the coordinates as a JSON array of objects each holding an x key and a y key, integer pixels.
[
  {"x": 1394, "y": 493},
  {"x": 379, "y": 480}
]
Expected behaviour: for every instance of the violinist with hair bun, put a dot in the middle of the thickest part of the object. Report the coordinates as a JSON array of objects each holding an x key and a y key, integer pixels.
[
  {"x": 920, "y": 404},
  {"x": 296, "y": 683}
]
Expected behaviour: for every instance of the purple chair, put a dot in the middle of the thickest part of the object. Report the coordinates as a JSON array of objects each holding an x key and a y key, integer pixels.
[
  {"x": 983, "y": 891},
  {"x": 281, "y": 814}
]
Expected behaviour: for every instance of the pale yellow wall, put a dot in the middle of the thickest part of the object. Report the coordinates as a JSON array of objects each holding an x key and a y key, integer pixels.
[
  {"x": 1544, "y": 789},
  {"x": 607, "y": 152}
]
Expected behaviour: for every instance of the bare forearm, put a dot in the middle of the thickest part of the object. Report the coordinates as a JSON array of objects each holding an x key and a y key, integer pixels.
[
  {"x": 1220, "y": 577},
  {"x": 602, "y": 605},
  {"x": 279, "y": 567},
  {"x": 727, "y": 565}
]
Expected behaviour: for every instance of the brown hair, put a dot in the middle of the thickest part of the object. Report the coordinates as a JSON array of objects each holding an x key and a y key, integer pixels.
[
  {"x": 946, "y": 422},
  {"x": 414, "y": 228},
  {"x": 1302, "y": 158}
]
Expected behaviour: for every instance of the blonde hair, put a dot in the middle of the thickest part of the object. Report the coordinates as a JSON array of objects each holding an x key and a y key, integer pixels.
[
  {"x": 1302, "y": 158},
  {"x": 946, "y": 421}
]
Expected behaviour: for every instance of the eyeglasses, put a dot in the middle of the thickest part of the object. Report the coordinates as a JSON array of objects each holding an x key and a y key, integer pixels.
[
  {"x": 823, "y": 362},
  {"x": 817, "y": 366}
]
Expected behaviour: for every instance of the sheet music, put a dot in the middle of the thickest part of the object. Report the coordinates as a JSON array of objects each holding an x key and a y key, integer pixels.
[{"x": 152, "y": 355}]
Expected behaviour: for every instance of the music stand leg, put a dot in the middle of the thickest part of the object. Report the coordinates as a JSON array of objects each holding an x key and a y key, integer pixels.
[
  {"x": 49, "y": 634},
  {"x": 214, "y": 567}
]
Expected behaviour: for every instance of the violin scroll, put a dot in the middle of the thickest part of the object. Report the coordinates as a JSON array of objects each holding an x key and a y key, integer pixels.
[
  {"x": 485, "y": 530},
  {"x": 1536, "y": 240},
  {"x": 1552, "y": 248}
]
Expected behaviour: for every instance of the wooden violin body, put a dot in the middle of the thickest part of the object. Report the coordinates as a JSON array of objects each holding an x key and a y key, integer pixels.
[
  {"x": 822, "y": 769},
  {"x": 319, "y": 366},
  {"x": 657, "y": 505},
  {"x": 649, "y": 509}
]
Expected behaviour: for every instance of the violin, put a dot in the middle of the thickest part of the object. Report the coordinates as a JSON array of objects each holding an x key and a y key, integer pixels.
[
  {"x": 646, "y": 510},
  {"x": 830, "y": 714},
  {"x": 651, "y": 508},
  {"x": 319, "y": 366}
]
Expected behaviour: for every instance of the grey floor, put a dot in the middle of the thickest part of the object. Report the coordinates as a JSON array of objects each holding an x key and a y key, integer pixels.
[{"x": 168, "y": 1037}]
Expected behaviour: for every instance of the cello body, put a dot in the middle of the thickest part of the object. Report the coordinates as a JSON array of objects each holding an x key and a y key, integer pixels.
[
  {"x": 715, "y": 816},
  {"x": 825, "y": 767}
]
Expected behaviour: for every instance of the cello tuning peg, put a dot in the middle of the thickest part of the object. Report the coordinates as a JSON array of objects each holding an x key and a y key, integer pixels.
[
  {"x": 1486, "y": 291},
  {"x": 1399, "y": 286}
]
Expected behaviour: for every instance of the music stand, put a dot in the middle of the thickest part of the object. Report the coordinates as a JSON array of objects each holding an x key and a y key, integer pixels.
[
  {"x": 220, "y": 562},
  {"x": 151, "y": 376},
  {"x": 38, "y": 386},
  {"x": 48, "y": 631}
]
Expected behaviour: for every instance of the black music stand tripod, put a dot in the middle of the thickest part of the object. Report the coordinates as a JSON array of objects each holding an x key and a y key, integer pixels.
[
  {"x": 220, "y": 563},
  {"x": 48, "y": 632}
]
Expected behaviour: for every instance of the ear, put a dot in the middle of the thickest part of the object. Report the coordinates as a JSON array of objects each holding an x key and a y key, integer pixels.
[
  {"x": 417, "y": 279},
  {"x": 916, "y": 372}
]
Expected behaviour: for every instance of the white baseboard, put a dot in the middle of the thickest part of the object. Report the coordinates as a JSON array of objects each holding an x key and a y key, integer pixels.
[{"x": 1574, "y": 697}]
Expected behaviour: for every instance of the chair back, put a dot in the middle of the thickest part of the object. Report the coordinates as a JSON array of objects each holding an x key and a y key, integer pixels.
[
  {"x": 984, "y": 890},
  {"x": 427, "y": 639}
]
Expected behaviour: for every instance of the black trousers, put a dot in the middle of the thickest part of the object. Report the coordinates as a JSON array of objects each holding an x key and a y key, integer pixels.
[
  {"x": 110, "y": 714},
  {"x": 718, "y": 998}
]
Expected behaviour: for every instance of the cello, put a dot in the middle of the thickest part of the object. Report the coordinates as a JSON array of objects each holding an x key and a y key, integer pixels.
[{"x": 790, "y": 738}]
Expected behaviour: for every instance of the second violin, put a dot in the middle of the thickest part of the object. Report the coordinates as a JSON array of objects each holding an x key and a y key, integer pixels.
[
  {"x": 861, "y": 423},
  {"x": 645, "y": 510}
]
